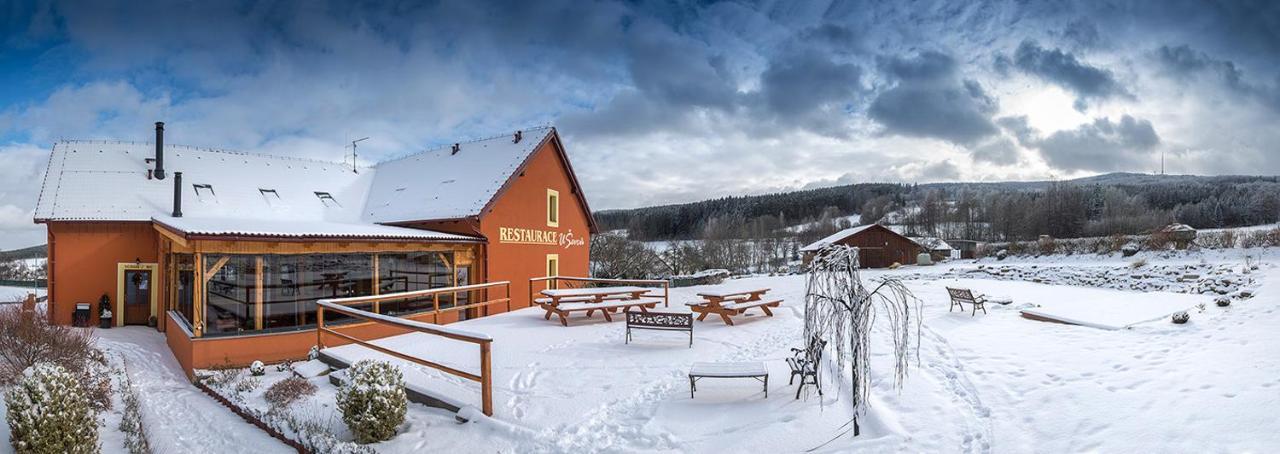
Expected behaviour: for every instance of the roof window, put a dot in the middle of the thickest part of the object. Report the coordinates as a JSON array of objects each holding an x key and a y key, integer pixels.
[
  {"x": 328, "y": 200},
  {"x": 204, "y": 192},
  {"x": 270, "y": 195}
]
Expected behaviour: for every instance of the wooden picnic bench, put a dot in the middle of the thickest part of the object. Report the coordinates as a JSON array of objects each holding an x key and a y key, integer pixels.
[
  {"x": 732, "y": 302},
  {"x": 562, "y": 302},
  {"x": 754, "y": 370},
  {"x": 962, "y": 296},
  {"x": 660, "y": 321}
]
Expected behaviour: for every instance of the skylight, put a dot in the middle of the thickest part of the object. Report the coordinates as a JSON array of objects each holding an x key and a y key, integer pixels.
[
  {"x": 204, "y": 192},
  {"x": 328, "y": 200},
  {"x": 270, "y": 195}
]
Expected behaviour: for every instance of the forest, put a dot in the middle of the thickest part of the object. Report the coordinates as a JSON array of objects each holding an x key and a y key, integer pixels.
[{"x": 1089, "y": 207}]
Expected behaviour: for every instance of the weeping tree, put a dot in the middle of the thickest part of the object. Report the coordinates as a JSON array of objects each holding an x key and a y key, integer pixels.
[{"x": 841, "y": 310}]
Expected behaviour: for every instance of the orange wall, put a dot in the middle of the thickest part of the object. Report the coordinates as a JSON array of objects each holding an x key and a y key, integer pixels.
[
  {"x": 83, "y": 262},
  {"x": 523, "y": 205}
]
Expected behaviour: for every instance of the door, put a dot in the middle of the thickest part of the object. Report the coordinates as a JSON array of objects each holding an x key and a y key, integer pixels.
[{"x": 137, "y": 297}]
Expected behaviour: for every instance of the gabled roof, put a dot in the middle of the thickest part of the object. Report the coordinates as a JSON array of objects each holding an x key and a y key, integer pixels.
[
  {"x": 276, "y": 228},
  {"x": 252, "y": 194},
  {"x": 831, "y": 239}
]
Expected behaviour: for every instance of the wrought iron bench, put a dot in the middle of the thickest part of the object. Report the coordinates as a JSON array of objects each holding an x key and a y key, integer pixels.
[
  {"x": 805, "y": 363},
  {"x": 754, "y": 370},
  {"x": 962, "y": 296},
  {"x": 660, "y": 321}
]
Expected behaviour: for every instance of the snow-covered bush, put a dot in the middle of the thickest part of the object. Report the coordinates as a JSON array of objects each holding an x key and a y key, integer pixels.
[
  {"x": 1002, "y": 254},
  {"x": 257, "y": 369},
  {"x": 1181, "y": 317},
  {"x": 1222, "y": 301},
  {"x": 1139, "y": 263},
  {"x": 48, "y": 412},
  {"x": 27, "y": 338},
  {"x": 1130, "y": 249},
  {"x": 314, "y": 353},
  {"x": 284, "y": 392},
  {"x": 373, "y": 402},
  {"x": 135, "y": 434}
]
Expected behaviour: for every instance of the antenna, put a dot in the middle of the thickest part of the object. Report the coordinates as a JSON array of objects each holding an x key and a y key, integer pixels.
[
  {"x": 1161, "y": 162},
  {"x": 353, "y": 153}
]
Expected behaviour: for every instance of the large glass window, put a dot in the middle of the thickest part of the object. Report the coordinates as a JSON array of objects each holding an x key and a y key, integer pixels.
[
  {"x": 293, "y": 283},
  {"x": 183, "y": 279},
  {"x": 229, "y": 303},
  {"x": 412, "y": 271}
]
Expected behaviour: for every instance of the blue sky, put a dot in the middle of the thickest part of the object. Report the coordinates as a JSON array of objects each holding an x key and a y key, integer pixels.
[{"x": 658, "y": 102}]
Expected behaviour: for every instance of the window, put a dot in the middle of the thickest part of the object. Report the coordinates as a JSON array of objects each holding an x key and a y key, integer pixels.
[
  {"x": 204, "y": 192},
  {"x": 270, "y": 195},
  {"x": 553, "y": 208},
  {"x": 553, "y": 265},
  {"x": 327, "y": 199}
]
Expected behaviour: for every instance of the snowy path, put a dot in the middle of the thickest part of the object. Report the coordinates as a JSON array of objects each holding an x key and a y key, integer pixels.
[{"x": 180, "y": 418}]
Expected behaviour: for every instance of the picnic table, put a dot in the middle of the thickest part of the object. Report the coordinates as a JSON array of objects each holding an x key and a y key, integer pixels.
[
  {"x": 562, "y": 302},
  {"x": 727, "y": 303}
]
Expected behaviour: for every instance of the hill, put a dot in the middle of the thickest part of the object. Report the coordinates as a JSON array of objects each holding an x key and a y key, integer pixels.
[{"x": 33, "y": 252}]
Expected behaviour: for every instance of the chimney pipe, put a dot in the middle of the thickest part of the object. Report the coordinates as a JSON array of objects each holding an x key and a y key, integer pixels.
[
  {"x": 160, "y": 153},
  {"x": 177, "y": 194}
]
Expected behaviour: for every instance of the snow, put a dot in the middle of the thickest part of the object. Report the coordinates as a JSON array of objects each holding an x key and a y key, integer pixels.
[
  {"x": 734, "y": 369},
  {"x": 299, "y": 228},
  {"x": 107, "y": 180},
  {"x": 179, "y": 417},
  {"x": 816, "y": 245},
  {"x": 991, "y": 383},
  {"x": 9, "y": 294}
]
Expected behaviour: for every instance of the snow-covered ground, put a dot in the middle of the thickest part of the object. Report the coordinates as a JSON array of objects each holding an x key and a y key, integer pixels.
[
  {"x": 991, "y": 383},
  {"x": 10, "y": 294}
]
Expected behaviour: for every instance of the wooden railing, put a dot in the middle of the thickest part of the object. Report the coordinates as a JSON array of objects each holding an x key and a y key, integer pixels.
[
  {"x": 485, "y": 377},
  {"x": 556, "y": 282}
]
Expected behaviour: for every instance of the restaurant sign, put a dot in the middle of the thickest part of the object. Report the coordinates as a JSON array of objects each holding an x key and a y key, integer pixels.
[{"x": 518, "y": 235}]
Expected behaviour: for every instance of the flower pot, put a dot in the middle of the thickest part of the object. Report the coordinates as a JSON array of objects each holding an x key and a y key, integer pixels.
[{"x": 104, "y": 322}]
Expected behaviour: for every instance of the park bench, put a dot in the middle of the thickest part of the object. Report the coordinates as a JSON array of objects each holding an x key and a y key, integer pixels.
[
  {"x": 805, "y": 363},
  {"x": 754, "y": 370},
  {"x": 962, "y": 296},
  {"x": 660, "y": 321}
]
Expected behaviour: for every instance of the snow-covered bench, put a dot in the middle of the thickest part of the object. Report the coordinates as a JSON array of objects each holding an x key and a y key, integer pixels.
[
  {"x": 605, "y": 307},
  {"x": 754, "y": 369}
]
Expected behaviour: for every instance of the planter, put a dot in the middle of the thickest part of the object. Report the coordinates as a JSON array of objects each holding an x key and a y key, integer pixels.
[{"x": 104, "y": 322}]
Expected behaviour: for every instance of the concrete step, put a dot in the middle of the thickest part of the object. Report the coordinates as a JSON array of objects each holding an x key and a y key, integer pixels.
[{"x": 413, "y": 391}]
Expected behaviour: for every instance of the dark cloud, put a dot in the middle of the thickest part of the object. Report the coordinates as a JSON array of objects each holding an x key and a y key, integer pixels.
[
  {"x": 1082, "y": 33},
  {"x": 1000, "y": 151},
  {"x": 930, "y": 100},
  {"x": 1102, "y": 146},
  {"x": 1183, "y": 62},
  {"x": 1062, "y": 68},
  {"x": 798, "y": 84},
  {"x": 1020, "y": 128}
]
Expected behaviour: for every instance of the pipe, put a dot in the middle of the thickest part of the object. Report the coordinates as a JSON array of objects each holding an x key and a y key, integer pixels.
[
  {"x": 177, "y": 194},
  {"x": 159, "y": 150}
]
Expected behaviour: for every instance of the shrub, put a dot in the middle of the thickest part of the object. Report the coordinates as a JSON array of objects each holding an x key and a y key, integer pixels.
[
  {"x": 135, "y": 434},
  {"x": 1181, "y": 317},
  {"x": 284, "y": 392},
  {"x": 257, "y": 368},
  {"x": 49, "y": 413},
  {"x": 373, "y": 402},
  {"x": 27, "y": 337},
  {"x": 1139, "y": 263}
]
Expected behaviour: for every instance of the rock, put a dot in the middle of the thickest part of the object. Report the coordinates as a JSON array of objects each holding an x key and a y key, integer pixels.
[
  {"x": 1222, "y": 301},
  {"x": 1181, "y": 317},
  {"x": 1002, "y": 254}
]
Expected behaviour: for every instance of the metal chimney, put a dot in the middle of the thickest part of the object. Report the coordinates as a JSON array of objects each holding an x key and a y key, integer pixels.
[
  {"x": 177, "y": 194},
  {"x": 160, "y": 153}
]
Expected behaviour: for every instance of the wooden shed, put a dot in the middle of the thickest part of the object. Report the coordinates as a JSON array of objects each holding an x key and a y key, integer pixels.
[{"x": 878, "y": 247}]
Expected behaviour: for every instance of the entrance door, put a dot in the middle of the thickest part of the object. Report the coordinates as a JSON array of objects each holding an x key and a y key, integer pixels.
[{"x": 137, "y": 297}]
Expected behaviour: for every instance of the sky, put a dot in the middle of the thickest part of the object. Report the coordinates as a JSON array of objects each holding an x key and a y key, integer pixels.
[{"x": 658, "y": 102}]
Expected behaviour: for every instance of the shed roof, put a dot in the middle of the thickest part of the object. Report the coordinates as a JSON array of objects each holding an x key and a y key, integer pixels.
[
  {"x": 831, "y": 239},
  {"x": 247, "y": 193},
  {"x": 277, "y": 228}
]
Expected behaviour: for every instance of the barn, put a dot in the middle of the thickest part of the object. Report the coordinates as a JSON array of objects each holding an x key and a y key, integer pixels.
[
  {"x": 227, "y": 253},
  {"x": 878, "y": 247}
]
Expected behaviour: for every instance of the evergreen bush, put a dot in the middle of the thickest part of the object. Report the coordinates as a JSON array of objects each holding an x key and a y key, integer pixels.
[
  {"x": 48, "y": 412},
  {"x": 373, "y": 402}
]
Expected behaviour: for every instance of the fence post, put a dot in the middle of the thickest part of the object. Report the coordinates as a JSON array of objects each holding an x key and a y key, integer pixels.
[
  {"x": 486, "y": 380},
  {"x": 320, "y": 326}
]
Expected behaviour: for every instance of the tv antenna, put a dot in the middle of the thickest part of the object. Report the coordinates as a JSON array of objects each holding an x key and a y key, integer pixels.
[{"x": 353, "y": 153}]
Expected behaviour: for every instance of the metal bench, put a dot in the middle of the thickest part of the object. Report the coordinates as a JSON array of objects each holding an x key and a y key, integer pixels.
[
  {"x": 962, "y": 296},
  {"x": 754, "y": 370},
  {"x": 660, "y": 321},
  {"x": 805, "y": 363}
]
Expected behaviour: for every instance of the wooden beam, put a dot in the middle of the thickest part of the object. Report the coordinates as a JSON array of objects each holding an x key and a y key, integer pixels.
[
  {"x": 217, "y": 266},
  {"x": 257, "y": 293},
  {"x": 377, "y": 286},
  {"x": 197, "y": 297},
  {"x": 171, "y": 235}
]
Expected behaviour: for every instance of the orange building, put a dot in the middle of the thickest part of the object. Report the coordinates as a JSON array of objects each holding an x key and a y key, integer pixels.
[{"x": 228, "y": 252}]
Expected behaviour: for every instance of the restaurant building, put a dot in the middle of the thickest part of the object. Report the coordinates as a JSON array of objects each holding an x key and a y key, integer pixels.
[{"x": 228, "y": 252}]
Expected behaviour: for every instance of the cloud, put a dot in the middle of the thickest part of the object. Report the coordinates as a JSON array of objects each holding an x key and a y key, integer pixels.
[
  {"x": 1063, "y": 69},
  {"x": 1000, "y": 151},
  {"x": 930, "y": 100},
  {"x": 1102, "y": 146}
]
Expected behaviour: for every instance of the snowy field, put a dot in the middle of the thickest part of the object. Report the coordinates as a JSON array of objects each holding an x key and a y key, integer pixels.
[
  {"x": 10, "y": 294},
  {"x": 991, "y": 383},
  {"x": 988, "y": 383}
]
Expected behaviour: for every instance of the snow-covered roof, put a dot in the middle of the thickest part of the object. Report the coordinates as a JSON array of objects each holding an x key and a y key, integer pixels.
[
  {"x": 253, "y": 194},
  {"x": 816, "y": 245},
  {"x": 931, "y": 243},
  {"x": 441, "y": 184},
  {"x": 301, "y": 229}
]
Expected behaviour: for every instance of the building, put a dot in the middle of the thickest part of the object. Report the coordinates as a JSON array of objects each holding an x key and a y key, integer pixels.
[
  {"x": 938, "y": 249},
  {"x": 228, "y": 252},
  {"x": 964, "y": 249},
  {"x": 878, "y": 247}
]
